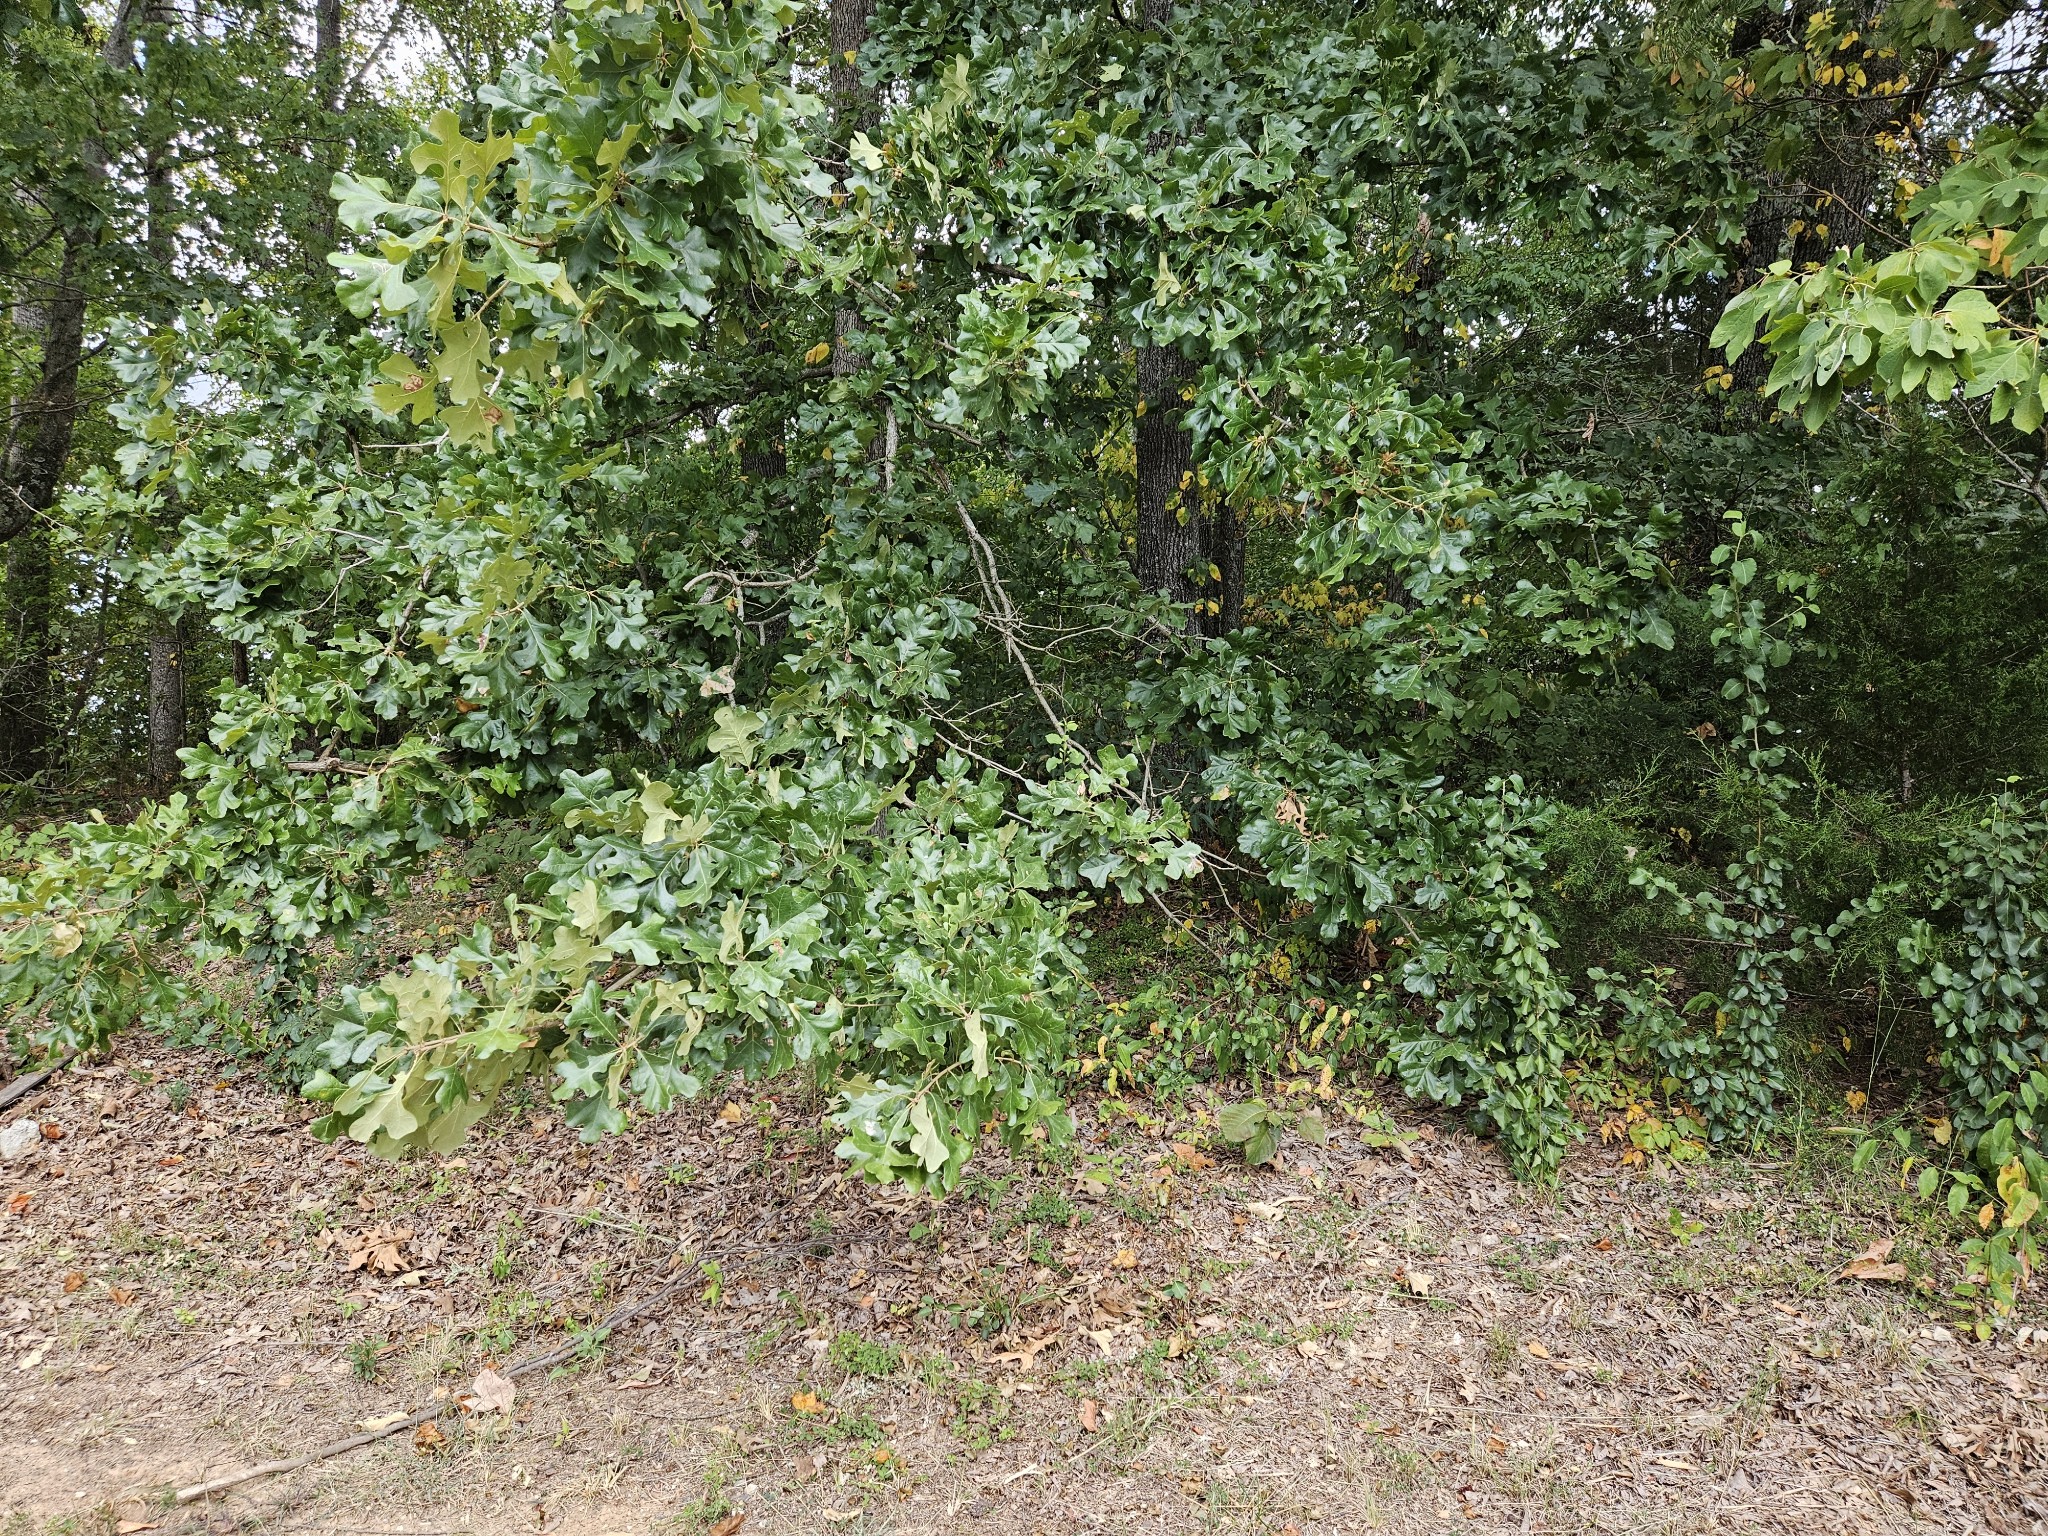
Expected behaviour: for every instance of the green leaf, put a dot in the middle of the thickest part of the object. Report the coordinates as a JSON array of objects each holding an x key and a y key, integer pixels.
[{"x": 1237, "y": 1123}]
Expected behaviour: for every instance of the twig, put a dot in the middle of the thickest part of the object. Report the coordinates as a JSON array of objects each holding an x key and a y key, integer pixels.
[
  {"x": 553, "y": 1357},
  {"x": 28, "y": 1082}
]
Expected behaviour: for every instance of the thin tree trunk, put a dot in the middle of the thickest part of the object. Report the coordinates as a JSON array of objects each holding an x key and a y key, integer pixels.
[
  {"x": 166, "y": 628},
  {"x": 854, "y": 107},
  {"x": 1228, "y": 530},
  {"x": 166, "y": 697}
]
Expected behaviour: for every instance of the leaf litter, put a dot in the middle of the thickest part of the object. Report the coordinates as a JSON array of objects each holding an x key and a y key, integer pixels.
[{"x": 1346, "y": 1338}]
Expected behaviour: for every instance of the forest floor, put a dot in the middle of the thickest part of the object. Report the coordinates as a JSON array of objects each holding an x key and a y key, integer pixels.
[{"x": 1139, "y": 1335}]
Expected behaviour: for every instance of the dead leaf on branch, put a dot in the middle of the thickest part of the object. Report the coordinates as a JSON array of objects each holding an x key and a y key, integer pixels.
[{"x": 1870, "y": 1264}]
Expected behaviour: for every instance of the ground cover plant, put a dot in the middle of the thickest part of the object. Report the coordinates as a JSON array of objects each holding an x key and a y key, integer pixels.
[{"x": 1515, "y": 536}]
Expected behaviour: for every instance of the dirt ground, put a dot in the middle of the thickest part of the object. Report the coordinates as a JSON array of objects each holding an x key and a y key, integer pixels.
[{"x": 1137, "y": 1336}]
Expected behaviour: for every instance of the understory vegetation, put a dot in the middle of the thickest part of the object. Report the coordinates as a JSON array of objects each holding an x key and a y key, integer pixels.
[{"x": 961, "y": 548}]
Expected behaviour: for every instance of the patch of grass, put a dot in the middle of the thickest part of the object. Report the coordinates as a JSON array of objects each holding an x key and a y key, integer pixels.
[
  {"x": 857, "y": 1356},
  {"x": 363, "y": 1358}
]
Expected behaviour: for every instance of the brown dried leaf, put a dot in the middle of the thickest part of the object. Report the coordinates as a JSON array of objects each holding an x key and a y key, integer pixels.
[
  {"x": 1870, "y": 1264},
  {"x": 491, "y": 1393}
]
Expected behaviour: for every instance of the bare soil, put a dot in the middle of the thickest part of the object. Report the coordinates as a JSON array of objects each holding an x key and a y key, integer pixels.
[{"x": 1131, "y": 1336}]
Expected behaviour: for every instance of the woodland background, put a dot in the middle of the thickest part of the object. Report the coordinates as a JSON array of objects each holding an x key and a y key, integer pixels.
[{"x": 1515, "y": 534}]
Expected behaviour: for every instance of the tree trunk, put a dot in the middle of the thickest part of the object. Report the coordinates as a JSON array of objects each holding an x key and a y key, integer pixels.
[
  {"x": 853, "y": 104},
  {"x": 166, "y": 629},
  {"x": 853, "y": 108},
  {"x": 1173, "y": 540},
  {"x": 166, "y": 698},
  {"x": 1172, "y": 557},
  {"x": 40, "y": 428},
  {"x": 326, "y": 89},
  {"x": 1227, "y": 532},
  {"x": 28, "y": 601}
]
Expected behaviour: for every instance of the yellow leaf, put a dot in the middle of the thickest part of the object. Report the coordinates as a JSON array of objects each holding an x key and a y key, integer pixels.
[
  {"x": 806, "y": 1402},
  {"x": 732, "y": 1114},
  {"x": 1940, "y": 1131},
  {"x": 818, "y": 354},
  {"x": 1857, "y": 1099},
  {"x": 1127, "y": 1258}
]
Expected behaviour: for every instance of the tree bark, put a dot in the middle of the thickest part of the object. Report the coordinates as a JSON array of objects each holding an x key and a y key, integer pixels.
[
  {"x": 1172, "y": 555},
  {"x": 326, "y": 87},
  {"x": 1173, "y": 542},
  {"x": 41, "y": 426},
  {"x": 854, "y": 107},
  {"x": 28, "y": 601},
  {"x": 1227, "y": 532},
  {"x": 853, "y": 103},
  {"x": 166, "y": 697},
  {"x": 166, "y": 628}
]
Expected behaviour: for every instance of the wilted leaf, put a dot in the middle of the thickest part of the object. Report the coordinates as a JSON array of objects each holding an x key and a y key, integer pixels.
[
  {"x": 729, "y": 1525},
  {"x": 74, "y": 1281},
  {"x": 1540, "y": 1351},
  {"x": 1192, "y": 1159},
  {"x": 1126, "y": 1258},
  {"x": 1090, "y": 1414},
  {"x": 1027, "y": 1351},
  {"x": 492, "y": 1393},
  {"x": 806, "y": 1402},
  {"x": 428, "y": 1439},
  {"x": 382, "y": 1421},
  {"x": 1420, "y": 1280},
  {"x": 1870, "y": 1264}
]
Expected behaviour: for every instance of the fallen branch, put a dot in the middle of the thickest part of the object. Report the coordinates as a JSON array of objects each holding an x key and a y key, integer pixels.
[
  {"x": 28, "y": 1082},
  {"x": 544, "y": 1362}
]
